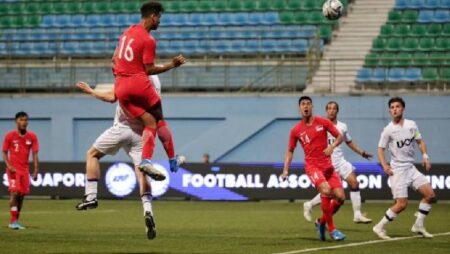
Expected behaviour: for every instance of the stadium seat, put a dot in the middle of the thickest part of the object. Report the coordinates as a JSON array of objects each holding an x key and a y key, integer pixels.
[
  {"x": 269, "y": 18},
  {"x": 249, "y": 5},
  {"x": 445, "y": 4},
  {"x": 325, "y": 32},
  {"x": 442, "y": 44},
  {"x": 425, "y": 16},
  {"x": 395, "y": 16},
  {"x": 117, "y": 7},
  {"x": 378, "y": 75},
  {"x": 48, "y": 21},
  {"x": 387, "y": 30},
  {"x": 299, "y": 46},
  {"x": 434, "y": 30},
  {"x": 363, "y": 75},
  {"x": 72, "y": 7},
  {"x": 409, "y": 16},
  {"x": 415, "y": 4},
  {"x": 378, "y": 45},
  {"x": 418, "y": 30},
  {"x": 188, "y": 6},
  {"x": 410, "y": 44},
  {"x": 403, "y": 59},
  {"x": 310, "y": 5},
  {"x": 121, "y": 20},
  {"x": 426, "y": 44},
  {"x": 394, "y": 44},
  {"x": 237, "y": 46},
  {"x": 134, "y": 6},
  {"x": 234, "y": 5},
  {"x": 219, "y": 47},
  {"x": 387, "y": 59},
  {"x": 446, "y": 30},
  {"x": 70, "y": 48},
  {"x": 445, "y": 74},
  {"x": 62, "y": 21},
  {"x": 239, "y": 19},
  {"x": 256, "y": 18},
  {"x": 93, "y": 20},
  {"x": 317, "y": 18},
  {"x": 219, "y": 6},
  {"x": 371, "y": 60},
  {"x": 420, "y": 59},
  {"x": 106, "y": 20},
  {"x": 432, "y": 4},
  {"x": 441, "y": 16},
  {"x": 430, "y": 74},
  {"x": 294, "y": 5},
  {"x": 395, "y": 74},
  {"x": 412, "y": 74},
  {"x": 301, "y": 18},
  {"x": 287, "y": 17},
  {"x": 401, "y": 30},
  {"x": 401, "y": 4}
]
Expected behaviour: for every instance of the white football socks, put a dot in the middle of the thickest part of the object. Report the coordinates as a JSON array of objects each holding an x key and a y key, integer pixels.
[
  {"x": 316, "y": 200},
  {"x": 424, "y": 209},
  {"x": 355, "y": 197},
  {"x": 389, "y": 216},
  {"x": 147, "y": 202},
  {"x": 91, "y": 189}
]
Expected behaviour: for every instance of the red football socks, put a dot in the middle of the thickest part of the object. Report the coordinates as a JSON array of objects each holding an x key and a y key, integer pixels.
[
  {"x": 327, "y": 211},
  {"x": 148, "y": 138},
  {"x": 165, "y": 136}
]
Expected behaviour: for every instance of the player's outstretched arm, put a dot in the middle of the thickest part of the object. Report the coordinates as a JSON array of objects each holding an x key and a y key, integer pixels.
[
  {"x": 287, "y": 164},
  {"x": 329, "y": 150},
  {"x": 386, "y": 167},
  {"x": 153, "y": 69},
  {"x": 103, "y": 96},
  {"x": 358, "y": 150},
  {"x": 423, "y": 149},
  {"x": 36, "y": 165}
]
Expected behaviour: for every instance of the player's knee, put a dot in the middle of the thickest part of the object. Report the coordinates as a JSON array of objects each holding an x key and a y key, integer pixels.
[
  {"x": 326, "y": 191},
  {"x": 431, "y": 197},
  {"x": 93, "y": 153},
  {"x": 340, "y": 199},
  {"x": 401, "y": 204}
]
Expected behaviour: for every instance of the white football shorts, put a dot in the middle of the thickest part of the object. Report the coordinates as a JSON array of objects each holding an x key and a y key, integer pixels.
[
  {"x": 116, "y": 137},
  {"x": 404, "y": 178},
  {"x": 344, "y": 169}
]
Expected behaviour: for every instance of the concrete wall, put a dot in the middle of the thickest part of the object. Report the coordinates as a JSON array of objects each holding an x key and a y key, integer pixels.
[{"x": 229, "y": 128}]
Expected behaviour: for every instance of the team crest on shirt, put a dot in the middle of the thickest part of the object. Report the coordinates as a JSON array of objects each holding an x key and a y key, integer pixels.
[
  {"x": 411, "y": 130},
  {"x": 319, "y": 128}
]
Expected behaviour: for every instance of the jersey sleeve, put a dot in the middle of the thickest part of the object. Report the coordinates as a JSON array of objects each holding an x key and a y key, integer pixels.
[
  {"x": 292, "y": 140},
  {"x": 6, "y": 143},
  {"x": 35, "y": 145},
  {"x": 417, "y": 135},
  {"x": 329, "y": 126},
  {"x": 149, "y": 52},
  {"x": 346, "y": 134},
  {"x": 384, "y": 139}
]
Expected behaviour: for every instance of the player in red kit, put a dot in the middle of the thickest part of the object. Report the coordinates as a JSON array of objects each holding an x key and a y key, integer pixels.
[
  {"x": 134, "y": 60},
  {"x": 16, "y": 151},
  {"x": 311, "y": 132}
]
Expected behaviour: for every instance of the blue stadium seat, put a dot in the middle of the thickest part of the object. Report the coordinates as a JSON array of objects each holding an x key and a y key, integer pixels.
[
  {"x": 45, "y": 48},
  {"x": 107, "y": 20},
  {"x": 256, "y": 18},
  {"x": 284, "y": 46},
  {"x": 220, "y": 46},
  {"x": 101, "y": 48},
  {"x": 92, "y": 20},
  {"x": 239, "y": 19},
  {"x": 401, "y": 4},
  {"x": 210, "y": 19},
  {"x": 69, "y": 48},
  {"x": 122, "y": 20},
  {"x": 425, "y": 16},
  {"x": 195, "y": 19},
  {"x": 413, "y": 74},
  {"x": 415, "y": 4},
  {"x": 192, "y": 47},
  {"x": 432, "y": 4},
  {"x": 268, "y": 46},
  {"x": 48, "y": 21},
  {"x": 270, "y": 18},
  {"x": 135, "y": 18},
  {"x": 299, "y": 46},
  {"x": 175, "y": 47},
  {"x": 441, "y": 16},
  {"x": 363, "y": 75},
  {"x": 445, "y": 4},
  {"x": 62, "y": 21},
  {"x": 378, "y": 75},
  {"x": 237, "y": 46},
  {"x": 77, "y": 20},
  {"x": 246, "y": 32},
  {"x": 24, "y": 49},
  {"x": 181, "y": 19},
  {"x": 3, "y": 51},
  {"x": 252, "y": 46},
  {"x": 396, "y": 74}
]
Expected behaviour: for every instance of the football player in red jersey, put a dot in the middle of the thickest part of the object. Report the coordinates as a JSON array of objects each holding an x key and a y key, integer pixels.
[
  {"x": 311, "y": 132},
  {"x": 16, "y": 150}
]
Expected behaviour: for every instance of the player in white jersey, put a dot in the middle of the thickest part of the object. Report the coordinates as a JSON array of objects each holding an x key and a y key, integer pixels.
[
  {"x": 125, "y": 133},
  {"x": 344, "y": 168},
  {"x": 400, "y": 137}
]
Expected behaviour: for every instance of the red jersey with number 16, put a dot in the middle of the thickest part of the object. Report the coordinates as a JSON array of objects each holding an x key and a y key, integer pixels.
[
  {"x": 313, "y": 139},
  {"x": 18, "y": 148},
  {"x": 136, "y": 48}
]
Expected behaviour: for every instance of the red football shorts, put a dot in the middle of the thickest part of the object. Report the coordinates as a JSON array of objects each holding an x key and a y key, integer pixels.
[
  {"x": 318, "y": 176},
  {"x": 136, "y": 94},
  {"x": 19, "y": 182}
]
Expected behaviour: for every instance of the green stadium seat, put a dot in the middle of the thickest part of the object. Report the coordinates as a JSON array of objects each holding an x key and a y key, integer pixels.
[
  {"x": 46, "y": 8},
  {"x": 59, "y": 8},
  {"x": 34, "y": 21},
  {"x": 249, "y": 5},
  {"x": 394, "y": 44},
  {"x": 287, "y": 17},
  {"x": 294, "y": 5},
  {"x": 235, "y": 5},
  {"x": 445, "y": 74},
  {"x": 409, "y": 16},
  {"x": 301, "y": 18},
  {"x": 418, "y": 30},
  {"x": 387, "y": 30},
  {"x": 442, "y": 44},
  {"x": 117, "y": 7},
  {"x": 378, "y": 45},
  {"x": 14, "y": 8},
  {"x": 426, "y": 44},
  {"x": 421, "y": 59},
  {"x": 134, "y": 6},
  {"x": 264, "y": 5},
  {"x": 446, "y": 30},
  {"x": 311, "y": 5},
  {"x": 410, "y": 44},
  {"x": 394, "y": 16},
  {"x": 325, "y": 32},
  {"x": 188, "y": 6},
  {"x": 437, "y": 59},
  {"x": 434, "y": 30},
  {"x": 219, "y": 6},
  {"x": 317, "y": 18},
  {"x": 170, "y": 6},
  {"x": 403, "y": 59},
  {"x": 31, "y": 8},
  {"x": 401, "y": 30},
  {"x": 279, "y": 5},
  {"x": 89, "y": 7},
  {"x": 5, "y": 21},
  {"x": 102, "y": 7},
  {"x": 371, "y": 60},
  {"x": 430, "y": 74},
  {"x": 205, "y": 6},
  {"x": 387, "y": 59},
  {"x": 18, "y": 21}
]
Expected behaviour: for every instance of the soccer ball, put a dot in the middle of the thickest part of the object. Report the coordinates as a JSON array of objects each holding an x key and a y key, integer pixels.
[{"x": 332, "y": 9}]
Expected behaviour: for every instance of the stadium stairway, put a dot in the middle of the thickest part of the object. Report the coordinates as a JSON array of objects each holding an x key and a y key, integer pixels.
[{"x": 351, "y": 43}]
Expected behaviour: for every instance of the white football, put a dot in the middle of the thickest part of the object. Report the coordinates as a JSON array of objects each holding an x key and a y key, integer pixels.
[{"x": 332, "y": 9}]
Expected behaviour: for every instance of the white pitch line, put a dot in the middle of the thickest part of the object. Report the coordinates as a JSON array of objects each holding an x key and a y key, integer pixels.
[
  {"x": 62, "y": 212},
  {"x": 357, "y": 244}
]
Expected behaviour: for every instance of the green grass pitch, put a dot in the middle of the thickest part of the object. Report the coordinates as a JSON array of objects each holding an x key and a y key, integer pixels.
[{"x": 54, "y": 226}]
